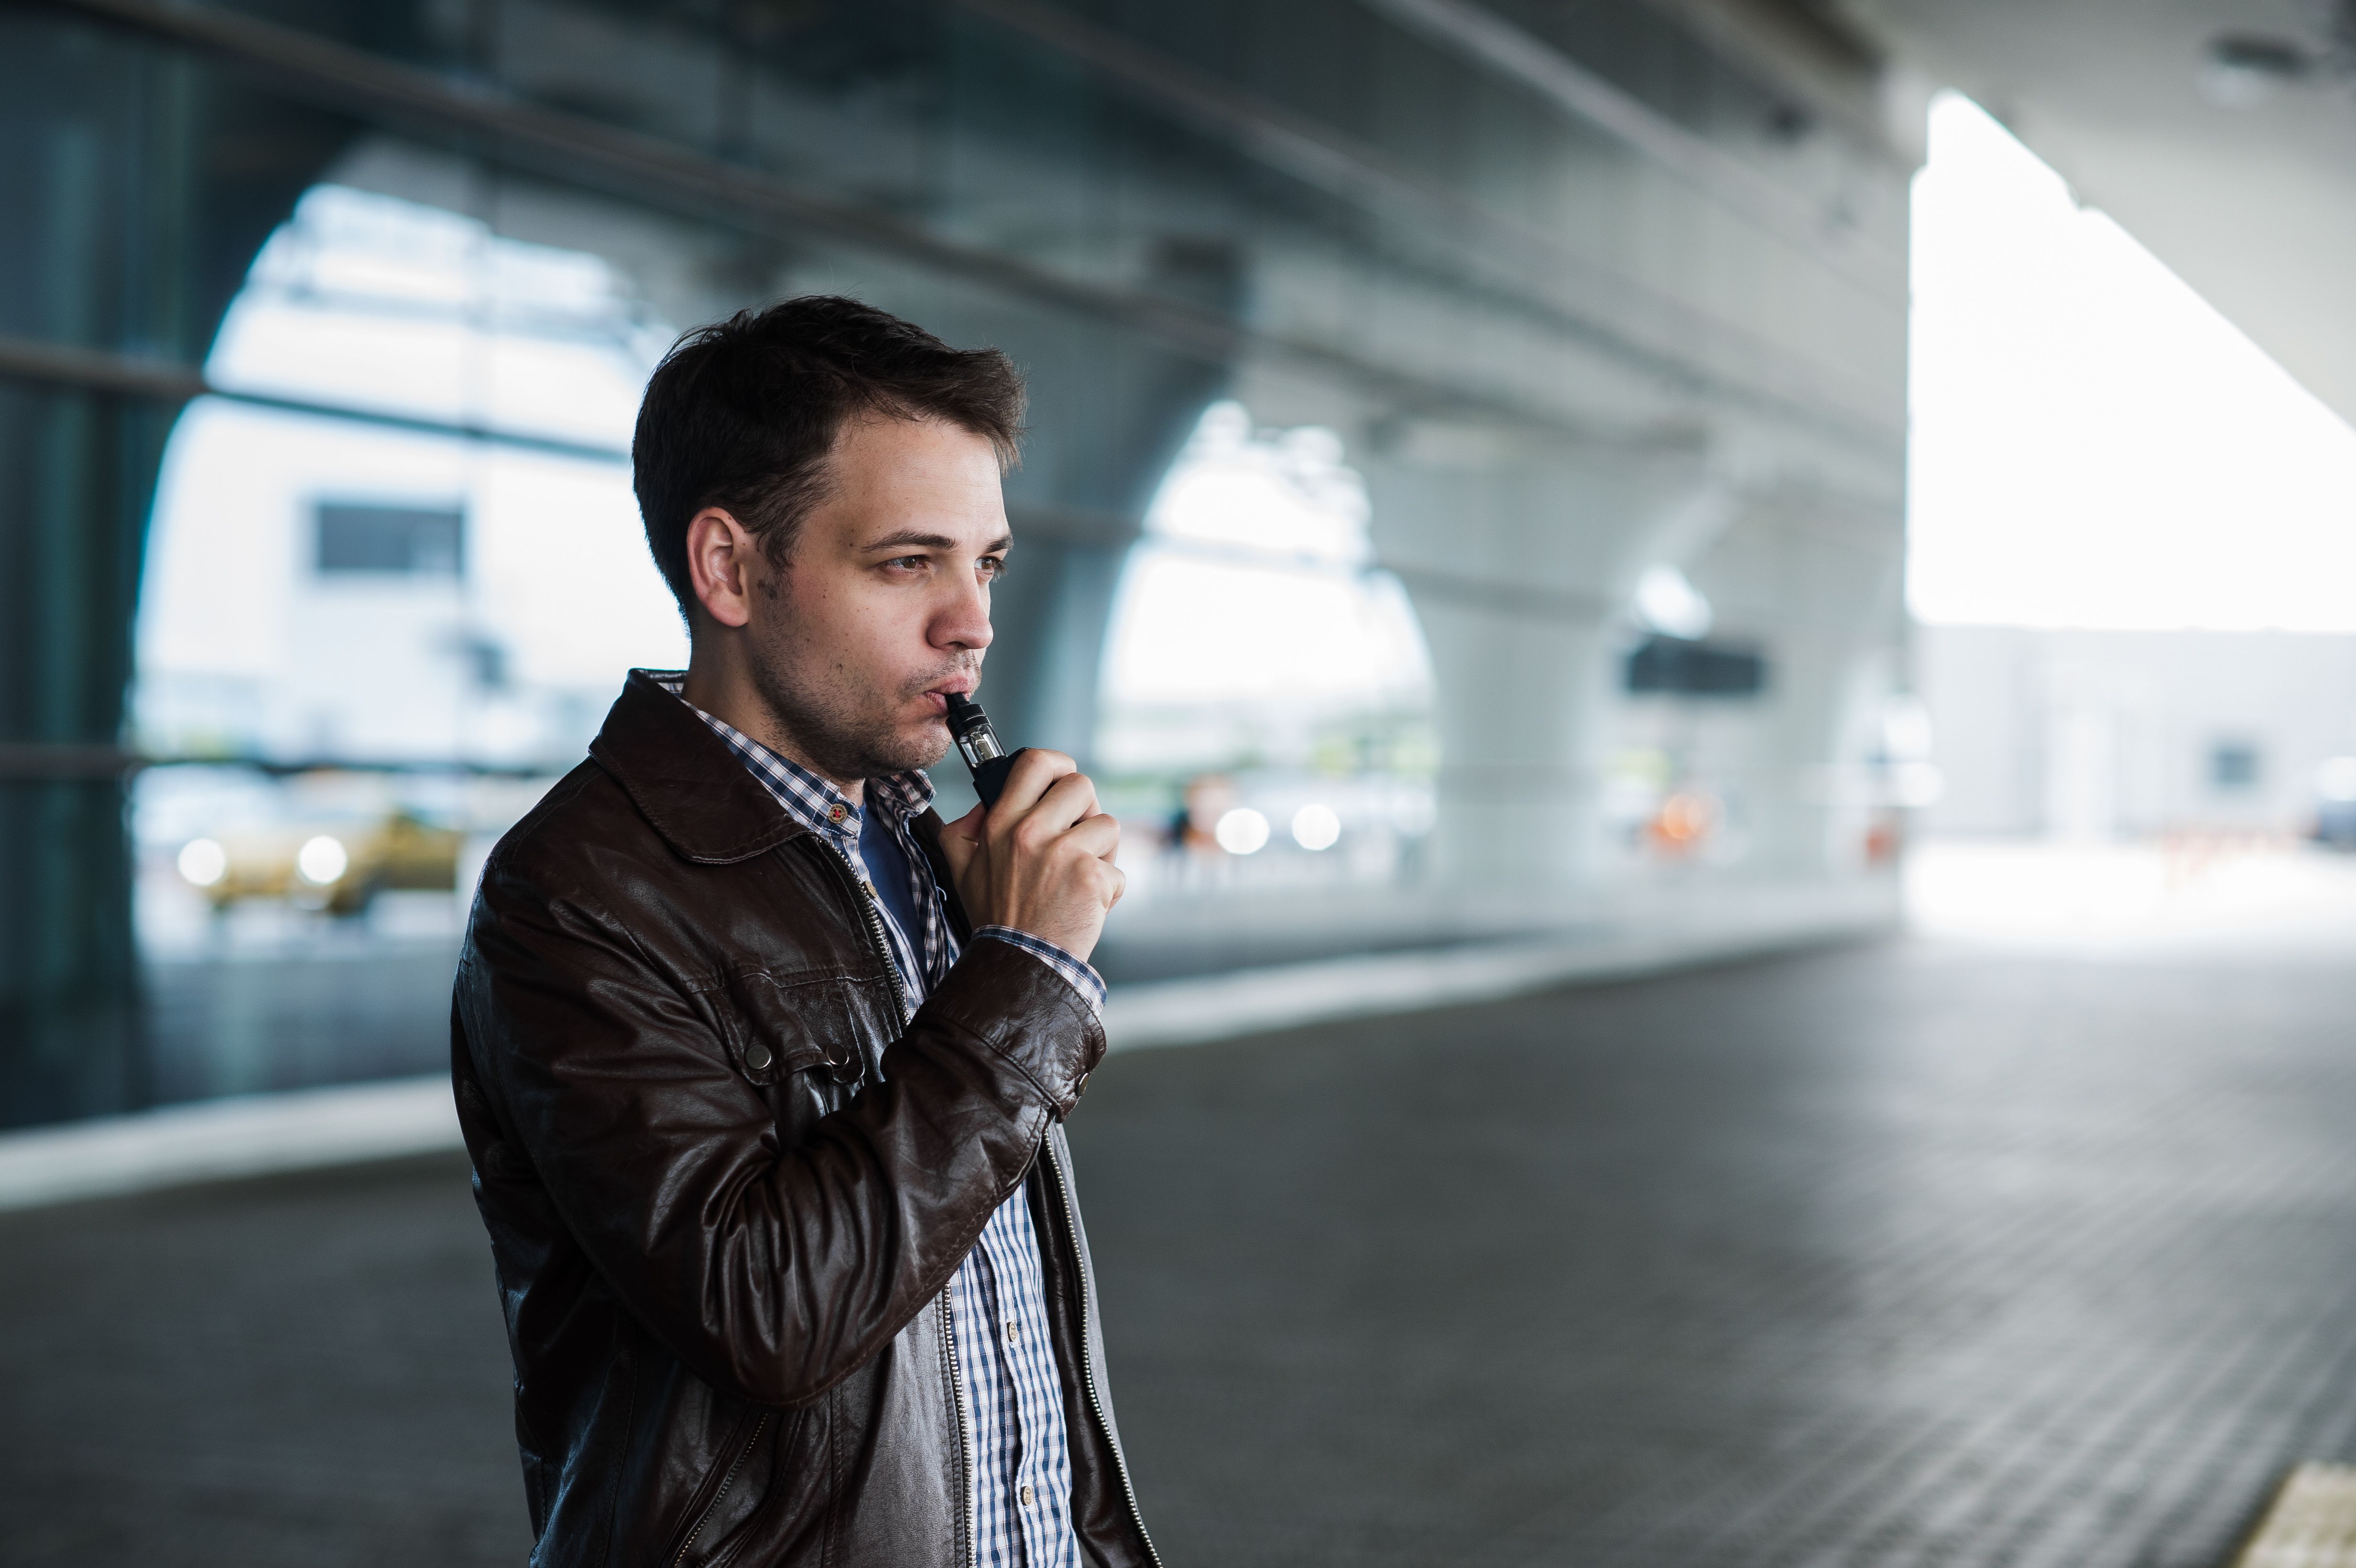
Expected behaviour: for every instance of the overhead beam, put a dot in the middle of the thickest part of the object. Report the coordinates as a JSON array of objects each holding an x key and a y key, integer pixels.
[
  {"x": 1798, "y": 50},
  {"x": 90, "y": 369},
  {"x": 580, "y": 151},
  {"x": 125, "y": 375},
  {"x": 1479, "y": 33},
  {"x": 1530, "y": 601},
  {"x": 51, "y": 761},
  {"x": 1349, "y": 170}
]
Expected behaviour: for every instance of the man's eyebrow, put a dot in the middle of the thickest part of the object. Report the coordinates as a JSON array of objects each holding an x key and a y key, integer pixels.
[{"x": 911, "y": 539}]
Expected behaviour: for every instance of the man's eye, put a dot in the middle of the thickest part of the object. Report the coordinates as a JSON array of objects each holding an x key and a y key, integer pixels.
[
  {"x": 911, "y": 561},
  {"x": 993, "y": 566}
]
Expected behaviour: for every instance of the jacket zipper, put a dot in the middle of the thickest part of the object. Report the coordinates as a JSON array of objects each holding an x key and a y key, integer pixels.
[
  {"x": 965, "y": 1448},
  {"x": 725, "y": 1482},
  {"x": 1072, "y": 1234},
  {"x": 883, "y": 946},
  {"x": 1087, "y": 1370},
  {"x": 875, "y": 927}
]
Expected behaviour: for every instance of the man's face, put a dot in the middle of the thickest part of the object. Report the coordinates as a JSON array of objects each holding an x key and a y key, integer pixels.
[{"x": 884, "y": 603}]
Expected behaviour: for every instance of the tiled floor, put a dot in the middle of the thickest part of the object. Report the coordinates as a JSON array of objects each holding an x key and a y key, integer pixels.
[{"x": 1911, "y": 1255}]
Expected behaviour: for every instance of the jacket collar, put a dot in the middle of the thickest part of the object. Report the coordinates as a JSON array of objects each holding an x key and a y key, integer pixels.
[
  {"x": 816, "y": 802},
  {"x": 684, "y": 780}
]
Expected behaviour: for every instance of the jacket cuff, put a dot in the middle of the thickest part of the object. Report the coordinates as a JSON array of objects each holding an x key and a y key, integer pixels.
[
  {"x": 1014, "y": 1001},
  {"x": 1076, "y": 971}
]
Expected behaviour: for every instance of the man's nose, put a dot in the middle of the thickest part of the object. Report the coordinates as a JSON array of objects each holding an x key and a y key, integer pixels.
[{"x": 964, "y": 621}]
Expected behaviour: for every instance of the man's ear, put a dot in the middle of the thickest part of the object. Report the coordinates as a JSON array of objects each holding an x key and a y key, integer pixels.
[{"x": 722, "y": 563}]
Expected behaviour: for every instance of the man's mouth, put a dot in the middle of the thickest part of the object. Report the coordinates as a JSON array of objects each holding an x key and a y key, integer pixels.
[{"x": 936, "y": 695}]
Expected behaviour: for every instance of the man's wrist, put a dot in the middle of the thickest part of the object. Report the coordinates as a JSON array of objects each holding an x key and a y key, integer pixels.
[{"x": 1073, "y": 970}]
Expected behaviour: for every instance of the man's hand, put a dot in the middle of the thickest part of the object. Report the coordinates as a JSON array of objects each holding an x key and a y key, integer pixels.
[{"x": 1040, "y": 860}]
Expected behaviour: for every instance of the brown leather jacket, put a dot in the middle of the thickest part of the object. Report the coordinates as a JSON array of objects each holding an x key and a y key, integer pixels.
[{"x": 725, "y": 1187}]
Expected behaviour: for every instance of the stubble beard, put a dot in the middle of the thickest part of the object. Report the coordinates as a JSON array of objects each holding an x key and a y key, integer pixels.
[{"x": 843, "y": 728}]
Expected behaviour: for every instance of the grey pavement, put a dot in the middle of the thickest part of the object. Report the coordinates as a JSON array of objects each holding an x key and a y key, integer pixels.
[{"x": 1895, "y": 1254}]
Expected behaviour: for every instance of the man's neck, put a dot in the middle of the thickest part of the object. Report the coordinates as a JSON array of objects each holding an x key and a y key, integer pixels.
[{"x": 722, "y": 687}]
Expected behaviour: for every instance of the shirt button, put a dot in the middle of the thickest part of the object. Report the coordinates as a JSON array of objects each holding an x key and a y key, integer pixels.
[
  {"x": 1010, "y": 1330},
  {"x": 1026, "y": 1494},
  {"x": 835, "y": 813}
]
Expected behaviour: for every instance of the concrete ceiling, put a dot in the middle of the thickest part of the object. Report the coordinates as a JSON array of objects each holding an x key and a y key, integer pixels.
[{"x": 2254, "y": 205}]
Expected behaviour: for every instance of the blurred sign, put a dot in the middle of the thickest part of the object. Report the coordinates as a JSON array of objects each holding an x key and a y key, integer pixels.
[{"x": 1684, "y": 669}]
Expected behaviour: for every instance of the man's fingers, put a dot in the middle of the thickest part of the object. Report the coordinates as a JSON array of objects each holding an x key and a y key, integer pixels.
[
  {"x": 1034, "y": 771},
  {"x": 1098, "y": 836},
  {"x": 1070, "y": 798},
  {"x": 1047, "y": 852}
]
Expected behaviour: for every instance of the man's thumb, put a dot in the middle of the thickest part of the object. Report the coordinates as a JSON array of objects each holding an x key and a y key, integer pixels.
[{"x": 960, "y": 838}]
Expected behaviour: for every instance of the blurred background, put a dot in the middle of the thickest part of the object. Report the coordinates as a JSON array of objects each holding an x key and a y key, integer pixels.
[{"x": 1830, "y": 524}]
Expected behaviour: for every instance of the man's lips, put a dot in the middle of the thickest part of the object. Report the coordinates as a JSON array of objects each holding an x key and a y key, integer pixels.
[{"x": 936, "y": 697}]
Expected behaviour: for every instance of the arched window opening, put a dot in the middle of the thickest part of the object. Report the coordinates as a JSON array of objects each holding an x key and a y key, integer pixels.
[
  {"x": 397, "y": 572},
  {"x": 1266, "y": 695}
]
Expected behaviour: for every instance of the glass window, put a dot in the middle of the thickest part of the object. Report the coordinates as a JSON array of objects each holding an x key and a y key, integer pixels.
[{"x": 403, "y": 540}]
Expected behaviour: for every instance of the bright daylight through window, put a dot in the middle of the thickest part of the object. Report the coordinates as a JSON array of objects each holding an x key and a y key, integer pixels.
[
  {"x": 2093, "y": 445},
  {"x": 2133, "y": 558},
  {"x": 1295, "y": 735},
  {"x": 323, "y": 589}
]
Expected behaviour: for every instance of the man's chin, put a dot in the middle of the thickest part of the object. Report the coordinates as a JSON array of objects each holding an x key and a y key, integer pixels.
[{"x": 920, "y": 747}]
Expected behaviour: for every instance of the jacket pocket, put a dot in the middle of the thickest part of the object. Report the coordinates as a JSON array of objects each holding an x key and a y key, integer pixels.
[
  {"x": 778, "y": 1026},
  {"x": 734, "y": 1489}
]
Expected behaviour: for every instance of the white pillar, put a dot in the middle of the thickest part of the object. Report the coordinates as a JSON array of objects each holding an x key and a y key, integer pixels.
[{"x": 1519, "y": 566}]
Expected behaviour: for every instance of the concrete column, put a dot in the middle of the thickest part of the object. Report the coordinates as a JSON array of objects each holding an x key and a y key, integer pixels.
[
  {"x": 1518, "y": 690},
  {"x": 1519, "y": 566}
]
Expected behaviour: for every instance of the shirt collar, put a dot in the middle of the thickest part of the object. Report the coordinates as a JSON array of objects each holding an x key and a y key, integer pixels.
[{"x": 808, "y": 798}]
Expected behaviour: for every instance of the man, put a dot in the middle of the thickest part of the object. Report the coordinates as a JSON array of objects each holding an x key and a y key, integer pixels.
[{"x": 762, "y": 1068}]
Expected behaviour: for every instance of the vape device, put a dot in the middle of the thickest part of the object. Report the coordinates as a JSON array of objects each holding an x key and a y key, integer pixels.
[{"x": 978, "y": 744}]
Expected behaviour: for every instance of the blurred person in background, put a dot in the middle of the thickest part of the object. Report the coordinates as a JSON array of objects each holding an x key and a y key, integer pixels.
[{"x": 762, "y": 1067}]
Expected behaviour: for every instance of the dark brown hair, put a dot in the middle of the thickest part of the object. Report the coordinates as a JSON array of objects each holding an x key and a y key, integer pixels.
[{"x": 742, "y": 414}]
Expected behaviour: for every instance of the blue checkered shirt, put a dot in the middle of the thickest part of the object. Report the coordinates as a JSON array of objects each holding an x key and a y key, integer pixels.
[{"x": 996, "y": 1302}]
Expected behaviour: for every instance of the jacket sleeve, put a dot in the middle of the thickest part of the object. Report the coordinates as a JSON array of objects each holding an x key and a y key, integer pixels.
[{"x": 771, "y": 1273}]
